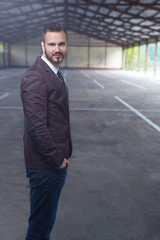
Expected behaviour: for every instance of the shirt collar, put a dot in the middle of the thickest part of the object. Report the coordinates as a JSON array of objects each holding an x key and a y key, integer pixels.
[{"x": 54, "y": 69}]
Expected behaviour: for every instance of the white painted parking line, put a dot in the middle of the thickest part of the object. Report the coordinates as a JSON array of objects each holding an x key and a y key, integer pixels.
[
  {"x": 99, "y": 84},
  {"x": 139, "y": 114},
  {"x": 10, "y": 108},
  {"x": 86, "y": 109},
  {"x": 71, "y": 109},
  {"x": 113, "y": 110},
  {"x": 85, "y": 74},
  {"x": 99, "y": 109},
  {"x": 12, "y": 74},
  {"x": 4, "y": 95},
  {"x": 150, "y": 110},
  {"x": 133, "y": 84}
]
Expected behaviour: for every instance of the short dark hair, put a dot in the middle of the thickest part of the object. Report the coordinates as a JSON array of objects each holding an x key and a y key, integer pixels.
[{"x": 52, "y": 27}]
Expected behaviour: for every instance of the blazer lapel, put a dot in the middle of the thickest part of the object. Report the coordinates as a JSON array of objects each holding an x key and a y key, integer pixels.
[
  {"x": 61, "y": 86},
  {"x": 57, "y": 81}
]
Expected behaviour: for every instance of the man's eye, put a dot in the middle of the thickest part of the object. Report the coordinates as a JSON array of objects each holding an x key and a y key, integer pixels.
[
  {"x": 51, "y": 44},
  {"x": 62, "y": 44}
]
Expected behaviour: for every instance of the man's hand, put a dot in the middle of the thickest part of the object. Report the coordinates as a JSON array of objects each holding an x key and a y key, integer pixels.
[{"x": 65, "y": 162}]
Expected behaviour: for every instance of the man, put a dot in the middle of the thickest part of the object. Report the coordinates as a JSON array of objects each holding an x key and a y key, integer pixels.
[{"x": 47, "y": 141}]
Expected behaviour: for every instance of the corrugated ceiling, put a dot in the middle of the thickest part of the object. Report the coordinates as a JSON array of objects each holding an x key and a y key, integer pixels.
[{"x": 122, "y": 22}]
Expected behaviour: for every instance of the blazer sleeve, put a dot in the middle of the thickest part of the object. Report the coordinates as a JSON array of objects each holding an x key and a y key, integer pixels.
[{"x": 34, "y": 99}]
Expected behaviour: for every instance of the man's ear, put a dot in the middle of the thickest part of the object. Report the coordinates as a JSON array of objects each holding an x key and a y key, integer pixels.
[{"x": 43, "y": 48}]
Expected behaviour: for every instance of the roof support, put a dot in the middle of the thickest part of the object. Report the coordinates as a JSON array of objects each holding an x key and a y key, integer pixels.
[
  {"x": 89, "y": 49},
  {"x": 105, "y": 60},
  {"x": 146, "y": 56},
  {"x": 127, "y": 59},
  {"x": 9, "y": 54},
  {"x": 4, "y": 55},
  {"x": 138, "y": 64},
  {"x": 155, "y": 58},
  {"x": 132, "y": 57},
  {"x": 26, "y": 53}
]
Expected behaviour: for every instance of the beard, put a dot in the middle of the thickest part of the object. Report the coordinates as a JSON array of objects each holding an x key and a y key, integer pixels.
[{"x": 55, "y": 60}]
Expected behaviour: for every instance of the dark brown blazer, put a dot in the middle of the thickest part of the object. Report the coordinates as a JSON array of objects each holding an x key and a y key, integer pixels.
[{"x": 47, "y": 139}]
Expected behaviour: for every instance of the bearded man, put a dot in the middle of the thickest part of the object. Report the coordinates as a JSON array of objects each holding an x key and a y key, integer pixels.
[{"x": 47, "y": 139}]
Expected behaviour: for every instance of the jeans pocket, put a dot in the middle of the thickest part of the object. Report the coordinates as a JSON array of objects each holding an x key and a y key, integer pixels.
[
  {"x": 37, "y": 177},
  {"x": 60, "y": 177}
]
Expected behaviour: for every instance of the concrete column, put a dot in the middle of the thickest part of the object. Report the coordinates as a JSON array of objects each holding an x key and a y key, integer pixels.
[
  {"x": 4, "y": 55},
  {"x": 138, "y": 64},
  {"x": 88, "y": 53},
  {"x": 105, "y": 55},
  {"x": 132, "y": 56},
  {"x": 146, "y": 56},
  {"x": 9, "y": 55},
  {"x": 26, "y": 53},
  {"x": 66, "y": 60},
  {"x": 155, "y": 57},
  {"x": 127, "y": 59},
  {"x": 123, "y": 52}
]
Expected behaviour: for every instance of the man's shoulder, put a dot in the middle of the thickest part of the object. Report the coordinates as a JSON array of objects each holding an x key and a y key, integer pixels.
[
  {"x": 37, "y": 69},
  {"x": 37, "y": 66}
]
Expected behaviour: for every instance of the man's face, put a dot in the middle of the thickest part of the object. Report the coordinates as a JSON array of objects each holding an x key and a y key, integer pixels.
[{"x": 55, "y": 46}]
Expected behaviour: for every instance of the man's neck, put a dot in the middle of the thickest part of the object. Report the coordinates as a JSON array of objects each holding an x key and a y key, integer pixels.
[{"x": 53, "y": 67}]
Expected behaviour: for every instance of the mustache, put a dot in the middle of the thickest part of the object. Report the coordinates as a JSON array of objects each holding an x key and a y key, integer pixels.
[{"x": 57, "y": 53}]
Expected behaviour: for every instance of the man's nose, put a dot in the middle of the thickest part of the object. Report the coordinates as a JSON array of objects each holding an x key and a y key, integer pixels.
[{"x": 57, "y": 48}]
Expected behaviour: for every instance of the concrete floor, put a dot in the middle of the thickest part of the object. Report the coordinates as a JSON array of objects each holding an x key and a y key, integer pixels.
[{"x": 113, "y": 185}]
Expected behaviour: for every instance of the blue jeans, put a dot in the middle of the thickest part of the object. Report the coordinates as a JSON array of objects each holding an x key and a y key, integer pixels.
[{"x": 45, "y": 189}]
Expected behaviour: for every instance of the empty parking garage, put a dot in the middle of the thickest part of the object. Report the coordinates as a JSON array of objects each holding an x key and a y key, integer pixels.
[{"x": 112, "y": 187}]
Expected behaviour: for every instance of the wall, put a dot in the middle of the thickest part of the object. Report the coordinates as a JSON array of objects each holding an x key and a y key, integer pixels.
[
  {"x": 24, "y": 54},
  {"x": 83, "y": 52},
  {"x": 114, "y": 57},
  {"x": 77, "y": 57},
  {"x": 17, "y": 55}
]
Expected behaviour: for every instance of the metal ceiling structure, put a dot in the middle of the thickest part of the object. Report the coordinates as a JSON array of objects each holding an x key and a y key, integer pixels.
[{"x": 121, "y": 22}]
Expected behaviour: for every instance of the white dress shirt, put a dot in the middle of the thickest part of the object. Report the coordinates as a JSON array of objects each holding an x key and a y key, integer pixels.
[{"x": 54, "y": 69}]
